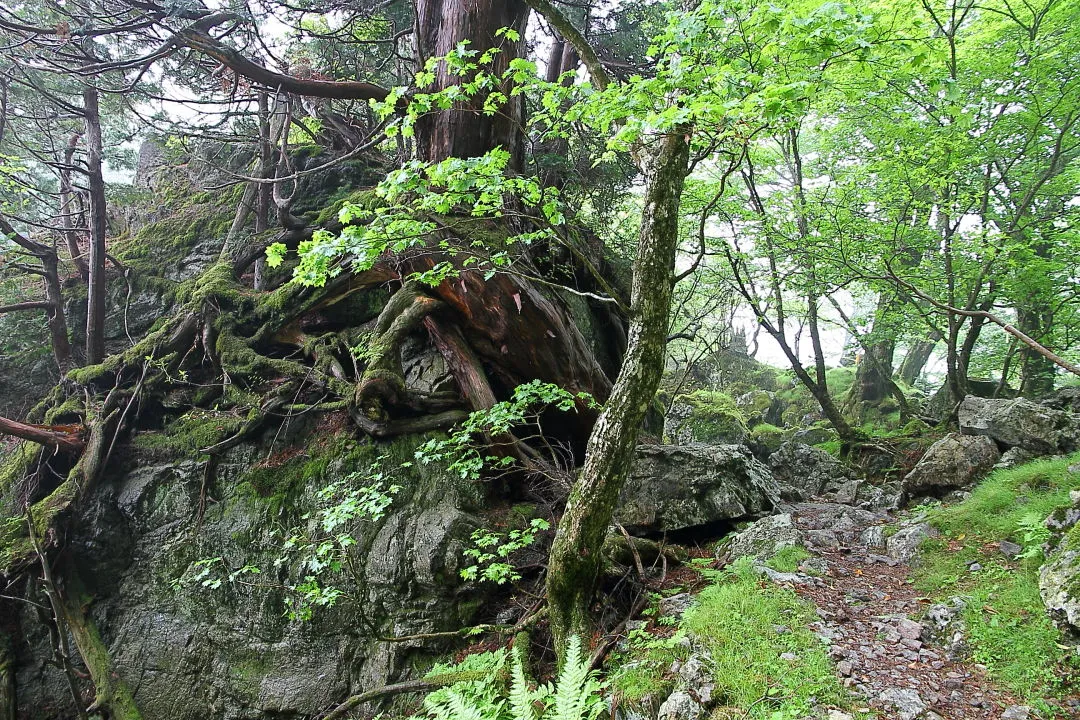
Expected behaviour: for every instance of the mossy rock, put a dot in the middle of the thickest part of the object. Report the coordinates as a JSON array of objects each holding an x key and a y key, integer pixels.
[
  {"x": 705, "y": 416},
  {"x": 767, "y": 439}
]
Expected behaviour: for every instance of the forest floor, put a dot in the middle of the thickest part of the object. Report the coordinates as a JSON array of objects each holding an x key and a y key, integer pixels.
[
  {"x": 902, "y": 641},
  {"x": 871, "y": 617}
]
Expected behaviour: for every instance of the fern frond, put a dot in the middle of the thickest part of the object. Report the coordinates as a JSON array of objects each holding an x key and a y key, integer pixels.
[
  {"x": 521, "y": 698},
  {"x": 571, "y": 690}
]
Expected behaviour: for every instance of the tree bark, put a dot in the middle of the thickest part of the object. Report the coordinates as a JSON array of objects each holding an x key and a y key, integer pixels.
[
  {"x": 915, "y": 360},
  {"x": 1036, "y": 370},
  {"x": 464, "y": 131},
  {"x": 575, "y": 559},
  {"x": 7, "y": 677},
  {"x": 95, "y": 290},
  {"x": 873, "y": 376},
  {"x": 67, "y": 210},
  {"x": 60, "y": 438}
]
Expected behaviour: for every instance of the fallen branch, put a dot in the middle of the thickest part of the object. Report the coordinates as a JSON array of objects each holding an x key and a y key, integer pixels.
[
  {"x": 62, "y": 438},
  {"x": 411, "y": 686}
]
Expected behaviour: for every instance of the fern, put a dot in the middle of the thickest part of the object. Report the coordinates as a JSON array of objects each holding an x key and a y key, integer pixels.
[
  {"x": 576, "y": 695},
  {"x": 521, "y": 698}
]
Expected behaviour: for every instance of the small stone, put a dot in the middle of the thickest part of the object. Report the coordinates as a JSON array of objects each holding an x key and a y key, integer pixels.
[
  {"x": 909, "y": 629},
  {"x": 1016, "y": 712},
  {"x": 676, "y": 605},
  {"x": 837, "y": 715},
  {"x": 788, "y": 656},
  {"x": 974, "y": 567},
  {"x": 911, "y": 644},
  {"x": 681, "y": 705},
  {"x": 908, "y": 704},
  {"x": 844, "y": 668},
  {"x": 1009, "y": 549}
]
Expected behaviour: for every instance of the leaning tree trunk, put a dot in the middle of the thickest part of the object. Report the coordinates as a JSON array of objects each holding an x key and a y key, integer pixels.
[
  {"x": 574, "y": 564},
  {"x": 916, "y": 358}
]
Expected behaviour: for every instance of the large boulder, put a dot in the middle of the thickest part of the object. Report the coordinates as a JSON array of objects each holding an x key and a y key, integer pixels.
[
  {"x": 955, "y": 461},
  {"x": 675, "y": 487},
  {"x": 191, "y": 652},
  {"x": 803, "y": 472},
  {"x": 817, "y": 526},
  {"x": 1059, "y": 577},
  {"x": 1020, "y": 423},
  {"x": 704, "y": 416},
  {"x": 1059, "y": 585}
]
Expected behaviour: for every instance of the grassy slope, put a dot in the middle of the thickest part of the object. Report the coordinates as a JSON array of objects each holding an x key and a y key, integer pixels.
[{"x": 1008, "y": 629}]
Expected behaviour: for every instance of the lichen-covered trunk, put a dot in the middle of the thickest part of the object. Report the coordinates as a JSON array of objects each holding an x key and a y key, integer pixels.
[
  {"x": 465, "y": 131},
  {"x": 575, "y": 558},
  {"x": 7, "y": 677}
]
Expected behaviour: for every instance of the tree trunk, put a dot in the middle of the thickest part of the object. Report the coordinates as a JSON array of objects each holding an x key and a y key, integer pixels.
[
  {"x": 68, "y": 213},
  {"x": 58, "y": 330},
  {"x": 464, "y": 131},
  {"x": 95, "y": 290},
  {"x": 8, "y": 706},
  {"x": 873, "y": 376},
  {"x": 1036, "y": 371},
  {"x": 915, "y": 360},
  {"x": 574, "y": 564}
]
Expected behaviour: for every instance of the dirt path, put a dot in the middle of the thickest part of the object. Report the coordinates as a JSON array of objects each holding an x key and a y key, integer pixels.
[
  {"x": 868, "y": 609},
  {"x": 870, "y": 617}
]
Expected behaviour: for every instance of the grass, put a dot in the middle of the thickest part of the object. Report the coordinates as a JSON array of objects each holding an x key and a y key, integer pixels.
[
  {"x": 1007, "y": 627},
  {"x": 747, "y": 627},
  {"x": 787, "y": 559}
]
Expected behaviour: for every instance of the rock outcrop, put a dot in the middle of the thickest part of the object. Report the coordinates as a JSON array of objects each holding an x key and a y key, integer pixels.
[
  {"x": 192, "y": 649},
  {"x": 1020, "y": 423},
  {"x": 953, "y": 462},
  {"x": 803, "y": 472},
  {"x": 677, "y": 487}
]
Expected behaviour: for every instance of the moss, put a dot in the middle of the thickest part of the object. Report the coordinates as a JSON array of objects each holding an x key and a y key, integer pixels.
[
  {"x": 15, "y": 463},
  {"x": 365, "y": 198},
  {"x": 712, "y": 415},
  {"x": 768, "y": 436},
  {"x": 15, "y": 545},
  {"x": 70, "y": 410},
  {"x": 191, "y": 432}
]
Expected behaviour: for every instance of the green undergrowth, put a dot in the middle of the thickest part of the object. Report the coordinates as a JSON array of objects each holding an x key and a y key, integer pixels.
[
  {"x": 747, "y": 627},
  {"x": 787, "y": 559},
  {"x": 764, "y": 659},
  {"x": 1007, "y": 627}
]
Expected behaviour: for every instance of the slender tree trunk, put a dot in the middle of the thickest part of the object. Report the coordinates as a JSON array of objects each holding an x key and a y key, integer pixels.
[
  {"x": 58, "y": 330},
  {"x": 95, "y": 291},
  {"x": 68, "y": 208},
  {"x": 575, "y": 559}
]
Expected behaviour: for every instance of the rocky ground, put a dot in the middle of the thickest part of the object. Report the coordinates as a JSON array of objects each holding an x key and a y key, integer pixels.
[{"x": 904, "y": 658}]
